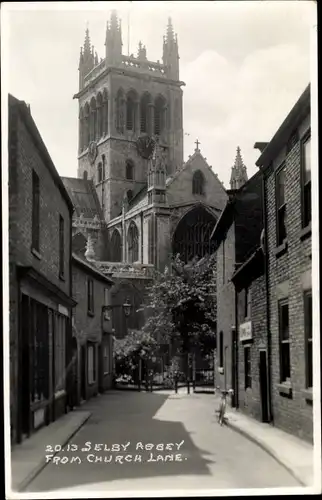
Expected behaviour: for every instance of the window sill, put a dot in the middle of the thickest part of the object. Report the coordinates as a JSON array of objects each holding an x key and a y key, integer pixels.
[
  {"x": 36, "y": 253},
  {"x": 308, "y": 394},
  {"x": 285, "y": 389},
  {"x": 281, "y": 249},
  {"x": 220, "y": 370},
  {"x": 306, "y": 232},
  {"x": 91, "y": 314}
]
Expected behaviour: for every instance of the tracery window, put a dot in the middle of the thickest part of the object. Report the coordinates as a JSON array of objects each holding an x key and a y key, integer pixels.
[
  {"x": 116, "y": 247},
  {"x": 133, "y": 243},
  {"x": 129, "y": 170},
  {"x": 99, "y": 115},
  {"x": 144, "y": 112},
  {"x": 192, "y": 236},
  {"x": 120, "y": 111},
  {"x": 86, "y": 126},
  {"x": 105, "y": 113},
  {"x": 131, "y": 100},
  {"x": 159, "y": 115},
  {"x": 93, "y": 120},
  {"x": 198, "y": 183}
]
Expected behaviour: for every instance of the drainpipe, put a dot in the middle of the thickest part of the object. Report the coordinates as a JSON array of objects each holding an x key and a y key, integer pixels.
[
  {"x": 236, "y": 396},
  {"x": 266, "y": 270},
  {"x": 141, "y": 237}
]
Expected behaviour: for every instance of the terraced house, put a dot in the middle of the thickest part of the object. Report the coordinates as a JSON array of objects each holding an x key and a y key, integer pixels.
[
  {"x": 40, "y": 233},
  {"x": 286, "y": 166}
]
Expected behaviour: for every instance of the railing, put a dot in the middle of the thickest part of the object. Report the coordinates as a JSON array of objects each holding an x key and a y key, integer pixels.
[
  {"x": 94, "y": 72},
  {"x": 153, "y": 67},
  {"x": 122, "y": 269},
  {"x": 94, "y": 223}
]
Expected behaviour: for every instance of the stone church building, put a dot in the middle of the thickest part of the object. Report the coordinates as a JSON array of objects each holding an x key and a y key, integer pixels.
[{"x": 136, "y": 201}]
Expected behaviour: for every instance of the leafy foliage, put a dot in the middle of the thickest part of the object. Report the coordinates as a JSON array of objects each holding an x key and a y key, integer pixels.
[
  {"x": 182, "y": 305},
  {"x": 127, "y": 351}
]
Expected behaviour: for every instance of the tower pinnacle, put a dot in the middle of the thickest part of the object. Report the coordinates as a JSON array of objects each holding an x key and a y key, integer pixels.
[{"x": 238, "y": 172}]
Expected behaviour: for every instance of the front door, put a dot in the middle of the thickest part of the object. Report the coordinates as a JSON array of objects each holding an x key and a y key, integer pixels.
[
  {"x": 25, "y": 367},
  {"x": 234, "y": 367},
  {"x": 263, "y": 385},
  {"x": 100, "y": 369}
]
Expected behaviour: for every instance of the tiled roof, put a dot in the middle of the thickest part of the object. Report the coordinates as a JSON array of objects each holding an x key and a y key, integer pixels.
[{"x": 83, "y": 196}]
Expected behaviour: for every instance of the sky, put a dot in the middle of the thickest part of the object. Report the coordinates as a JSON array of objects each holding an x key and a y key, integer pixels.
[{"x": 245, "y": 64}]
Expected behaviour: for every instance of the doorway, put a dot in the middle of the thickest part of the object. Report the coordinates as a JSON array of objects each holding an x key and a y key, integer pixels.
[
  {"x": 83, "y": 372},
  {"x": 263, "y": 380}
]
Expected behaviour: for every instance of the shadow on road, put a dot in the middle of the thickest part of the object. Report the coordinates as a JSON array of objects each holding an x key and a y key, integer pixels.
[{"x": 122, "y": 418}]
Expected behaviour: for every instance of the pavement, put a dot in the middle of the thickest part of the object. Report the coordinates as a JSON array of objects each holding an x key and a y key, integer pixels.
[
  {"x": 294, "y": 454},
  {"x": 204, "y": 454},
  {"x": 28, "y": 458}
]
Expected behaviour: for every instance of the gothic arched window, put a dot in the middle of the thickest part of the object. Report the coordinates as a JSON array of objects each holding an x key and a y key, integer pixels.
[
  {"x": 120, "y": 111},
  {"x": 93, "y": 119},
  {"x": 116, "y": 247},
  {"x": 129, "y": 170},
  {"x": 159, "y": 115},
  {"x": 198, "y": 183},
  {"x": 129, "y": 195},
  {"x": 100, "y": 172},
  {"x": 131, "y": 100},
  {"x": 81, "y": 130},
  {"x": 85, "y": 175},
  {"x": 192, "y": 235},
  {"x": 105, "y": 113},
  {"x": 133, "y": 243},
  {"x": 144, "y": 112},
  {"x": 86, "y": 126},
  {"x": 99, "y": 115}
]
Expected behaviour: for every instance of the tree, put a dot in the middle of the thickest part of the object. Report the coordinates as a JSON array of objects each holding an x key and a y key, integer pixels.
[{"x": 182, "y": 306}]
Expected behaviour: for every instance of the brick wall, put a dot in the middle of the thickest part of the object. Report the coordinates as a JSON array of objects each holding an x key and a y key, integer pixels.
[
  {"x": 24, "y": 156},
  {"x": 52, "y": 204},
  {"x": 250, "y": 398},
  {"x": 287, "y": 279},
  {"x": 225, "y": 305},
  {"x": 87, "y": 327}
]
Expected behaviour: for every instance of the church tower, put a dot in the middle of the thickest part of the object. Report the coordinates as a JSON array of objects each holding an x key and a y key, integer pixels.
[
  {"x": 238, "y": 172},
  {"x": 126, "y": 103}
]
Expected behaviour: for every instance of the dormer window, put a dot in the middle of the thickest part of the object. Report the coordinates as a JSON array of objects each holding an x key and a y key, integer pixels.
[{"x": 198, "y": 183}]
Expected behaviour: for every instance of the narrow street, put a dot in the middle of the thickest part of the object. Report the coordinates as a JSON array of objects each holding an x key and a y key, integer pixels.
[{"x": 205, "y": 455}]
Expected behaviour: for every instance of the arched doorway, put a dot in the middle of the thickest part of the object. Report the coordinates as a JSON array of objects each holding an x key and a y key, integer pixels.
[
  {"x": 192, "y": 235},
  {"x": 126, "y": 292}
]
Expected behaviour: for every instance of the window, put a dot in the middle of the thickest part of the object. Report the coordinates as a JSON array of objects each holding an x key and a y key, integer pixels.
[
  {"x": 221, "y": 349},
  {"x": 129, "y": 195},
  {"x": 60, "y": 351},
  {"x": 99, "y": 172},
  {"x": 116, "y": 247},
  {"x": 120, "y": 111},
  {"x": 61, "y": 247},
  {"x": 35, "y": 211},
  {"x": 223, "y": 261},
  {"x": 133, "y": 243},
  {"x": 280, "y": 206},
  {"x": 284, "y": 336},
  {"x": 85, "y": 175},
  {"x": 198, "y": 182},
  {"x": 90, "y": 296},
  {"x": 308, "y": 337},
  {"x": 106, "y": 359},
  {"x": 91, "y": 364},
  {"x": 159, "y": 115},
  {"x": 306, "y": 181},
  {"x": 130, "y": 110},
  {"x": 144, "y": 113},
  {"x": 105, "y": 296},
  {"x": 247, "y": 362},
  {"x": 129, "y": 170},
  {"x": 247, "y": 310}
]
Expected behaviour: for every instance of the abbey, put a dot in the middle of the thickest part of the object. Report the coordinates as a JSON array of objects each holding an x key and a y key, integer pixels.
[{"x": 136, "y": 201}]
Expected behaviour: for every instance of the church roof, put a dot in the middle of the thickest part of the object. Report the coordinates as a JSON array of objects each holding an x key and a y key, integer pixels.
[{"x": 84, "y": 197}]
